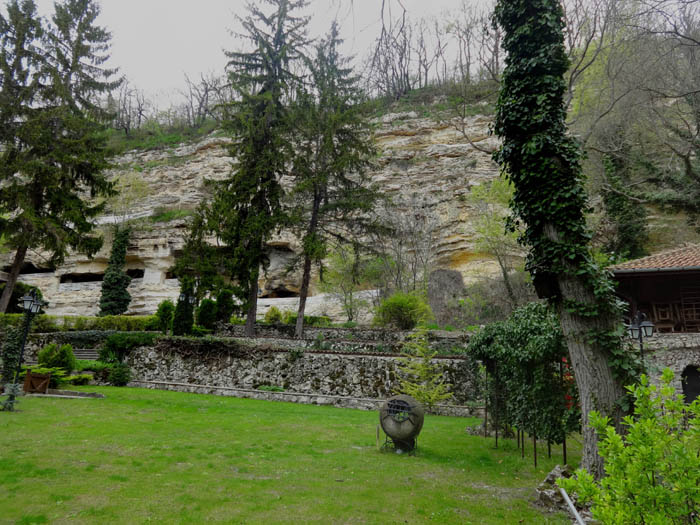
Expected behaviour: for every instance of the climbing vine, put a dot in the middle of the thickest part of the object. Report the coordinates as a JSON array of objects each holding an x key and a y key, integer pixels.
[
  {"x": 543, "y": 163},
  {"x": 530, "y": 385}
]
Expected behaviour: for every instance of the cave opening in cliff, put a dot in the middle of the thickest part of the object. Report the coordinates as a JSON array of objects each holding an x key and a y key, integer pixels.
[
  {"x": 136, "y": 273},
  {"x": 29, "y": 268},
  {"x": 278, "y": 293},
  {"x": 82, "y": 278}
]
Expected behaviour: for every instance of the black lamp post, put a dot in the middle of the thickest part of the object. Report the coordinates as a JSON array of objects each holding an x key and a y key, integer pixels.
[
  {"x": 31, "y": 304},
  {"x": 640, "y": 328}
]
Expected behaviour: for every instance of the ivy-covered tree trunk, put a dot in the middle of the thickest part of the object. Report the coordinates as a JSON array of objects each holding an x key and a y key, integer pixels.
[{"x": 543, "y": 163}]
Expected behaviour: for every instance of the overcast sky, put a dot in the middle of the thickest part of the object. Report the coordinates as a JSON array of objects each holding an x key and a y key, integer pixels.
[{"x": 155, "y": 42}]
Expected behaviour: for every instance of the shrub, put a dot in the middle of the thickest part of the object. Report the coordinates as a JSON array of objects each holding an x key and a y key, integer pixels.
[
  {"x": 200, "y": 331},
  {"x": 79, "y": 379},
  {"x": 319, "y": 321},
  {"x": 206, "y": 314},
  {"x": 224, "y": 305},
  {"x": 116, "y": 346},
  {"x": 652, "y": 472},
  {"x": 403, "y": 311},
  {"x": 55, "y": 356},
  {"x": 235, "y": 320},
  {"x": 422, "y": 379},
  {"x": 120, "y": 375},
  {"x": 93, "y": 366},
  {"x": 273, "y": 315},
  {"x": 164, "y": 316}
]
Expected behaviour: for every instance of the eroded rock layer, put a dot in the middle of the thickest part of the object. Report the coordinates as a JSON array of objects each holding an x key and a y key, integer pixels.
[{"x": 419, "y": 156}]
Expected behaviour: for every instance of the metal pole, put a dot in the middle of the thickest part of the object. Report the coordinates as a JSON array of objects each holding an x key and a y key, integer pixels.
[
  {"x": 27, "y": 323},
  {"x": 577, "y": 516}
]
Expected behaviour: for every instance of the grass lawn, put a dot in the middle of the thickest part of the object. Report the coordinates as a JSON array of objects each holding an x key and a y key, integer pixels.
[{"x": 150, "y": 456}]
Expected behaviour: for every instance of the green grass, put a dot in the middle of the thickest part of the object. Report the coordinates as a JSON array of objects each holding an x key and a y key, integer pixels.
[
  {"x": 139, "y": 456},
  {"x": 155, "y": 137},
  {"x": 167, "y": 215}
]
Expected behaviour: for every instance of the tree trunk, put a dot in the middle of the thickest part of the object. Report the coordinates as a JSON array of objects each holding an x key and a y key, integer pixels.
[
  {"x": 306, "y": 279},
  {"x": 598, "y": 388},
  {"x": 12, "y": 278},
  {"x": 303, "y": 293},
  {"x": 252, "y": 309}
]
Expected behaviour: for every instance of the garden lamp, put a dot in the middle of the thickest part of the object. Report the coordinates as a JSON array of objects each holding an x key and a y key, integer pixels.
[{"x": 640, "y": 328}]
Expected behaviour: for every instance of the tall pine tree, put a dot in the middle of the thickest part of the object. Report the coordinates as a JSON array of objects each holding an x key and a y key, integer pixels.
[
  {"x": 247, "y": 209},
  {"x": 52, "y": 151},
  {"x": 331, "y": 196}
]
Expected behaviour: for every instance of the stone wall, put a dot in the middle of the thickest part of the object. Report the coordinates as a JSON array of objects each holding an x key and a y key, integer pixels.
[
  {"x": 675, "y": 351},
  {"x": 184, "y": 364},
  {"x": 359, "y": 339}
]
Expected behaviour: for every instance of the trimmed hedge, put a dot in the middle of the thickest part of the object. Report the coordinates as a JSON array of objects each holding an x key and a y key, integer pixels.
[
  {"x": 50, "y": 323},
  {"x": 118, "y": 345}
]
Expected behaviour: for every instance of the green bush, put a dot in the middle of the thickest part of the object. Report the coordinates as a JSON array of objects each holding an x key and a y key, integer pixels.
[
  {"x": 200, "y": 331},
  {"x": 164, "y": 316},
  {"x": 93, "y": 366},
  {"x": 206, "y": 314},
  {"x": 420, "y": 377},
  {"x": 120, "y": 375},
  {"x": 319, "y": 321},
  {"x": 224, "y": 305},
  {"x": 50, "y": 324},
  {"x": 403, "y": 311},
  {"x": 235, "y": 320},
  {"x": 118, "y": 345},
  {"x": 79, "y": 379},
  {"x": 273, "y": 315},
  {"x": 55, "y": 356},
  {"x": 652, "y": 471}
]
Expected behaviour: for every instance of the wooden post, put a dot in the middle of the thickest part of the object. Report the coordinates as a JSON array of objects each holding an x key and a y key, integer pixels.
[
  {"x": 534, "y": 448},
  {"x": 549, "y": 449},
  {"x": 564, "y": 449}
]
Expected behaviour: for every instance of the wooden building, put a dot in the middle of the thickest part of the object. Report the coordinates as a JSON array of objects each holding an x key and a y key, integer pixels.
[{"x": 665, "y": 286}]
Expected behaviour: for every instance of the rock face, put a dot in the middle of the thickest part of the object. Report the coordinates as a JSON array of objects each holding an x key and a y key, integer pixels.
[{"x": 419, "y": 156}]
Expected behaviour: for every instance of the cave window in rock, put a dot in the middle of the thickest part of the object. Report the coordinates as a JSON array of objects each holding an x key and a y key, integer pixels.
[
  {"x": 82, "y": 278},
  {"x": 278, "y": 293},
  {"x": 691, "y": 383},
  {"x": 136, "y": 273},
  {"x": 29, "y": 269}
]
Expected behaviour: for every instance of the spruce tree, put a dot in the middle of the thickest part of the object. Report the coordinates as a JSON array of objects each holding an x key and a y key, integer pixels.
[
  {"x": 52, "y": 152},
  {"x": 246, "y": 209},
  {"x": 115, "y": 297},
  {"x": 183, "y": 319},
  {"x": 331, "y": 196}
]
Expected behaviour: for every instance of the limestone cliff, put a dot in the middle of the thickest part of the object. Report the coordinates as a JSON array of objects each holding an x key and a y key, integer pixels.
[{"x": 420, "y": 156}]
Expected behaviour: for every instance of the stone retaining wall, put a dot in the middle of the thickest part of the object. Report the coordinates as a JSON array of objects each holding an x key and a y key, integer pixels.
[
  {"x": 675, "y": 351},
  {"x": 440, "y": 340},
  {"x": 234, "y": 365}
]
